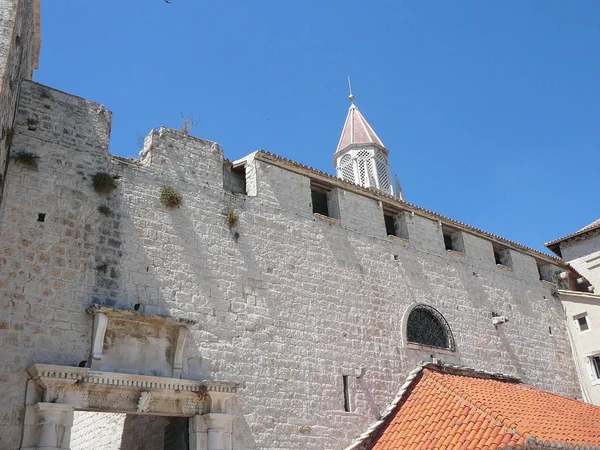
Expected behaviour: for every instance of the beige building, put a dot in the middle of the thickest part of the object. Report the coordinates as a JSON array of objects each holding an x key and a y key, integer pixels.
[{"x": 582, "y": 251}]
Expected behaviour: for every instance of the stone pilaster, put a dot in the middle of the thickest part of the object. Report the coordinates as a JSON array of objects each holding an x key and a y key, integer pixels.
[{"x": 49, "y": 427}]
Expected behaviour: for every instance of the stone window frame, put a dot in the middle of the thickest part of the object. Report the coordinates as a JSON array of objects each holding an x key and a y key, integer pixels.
[
  {"x": 329, "y": 192},
  {"x": 449, "y": 349},
  {"x": 502, "y": 256},
  {"x": 395, "y": 218}
]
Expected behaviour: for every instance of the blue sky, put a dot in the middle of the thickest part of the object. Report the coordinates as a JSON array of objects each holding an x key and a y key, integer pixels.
[{"x": 490, "y": 110}]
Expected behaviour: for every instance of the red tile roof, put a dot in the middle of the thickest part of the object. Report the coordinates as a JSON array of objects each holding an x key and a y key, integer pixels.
[{"x": 452, "y": 409}]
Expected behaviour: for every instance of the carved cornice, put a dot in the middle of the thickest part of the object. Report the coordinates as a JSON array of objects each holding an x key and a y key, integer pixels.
[
  {"x": 65, "y": 376},
  {"x": 91, "y": 390}
]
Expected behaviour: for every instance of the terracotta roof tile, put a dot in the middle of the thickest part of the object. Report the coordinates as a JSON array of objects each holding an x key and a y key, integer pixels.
[
  {"x": 451, "y": 409},
  {"x": 357, "y": 131}
]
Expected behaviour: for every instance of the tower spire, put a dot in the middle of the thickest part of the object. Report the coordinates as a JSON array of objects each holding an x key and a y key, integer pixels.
[{"x": 361, "y": 157}]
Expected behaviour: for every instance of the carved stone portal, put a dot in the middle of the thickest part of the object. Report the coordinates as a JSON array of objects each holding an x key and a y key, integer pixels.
[{"x": 54, "y": 392}]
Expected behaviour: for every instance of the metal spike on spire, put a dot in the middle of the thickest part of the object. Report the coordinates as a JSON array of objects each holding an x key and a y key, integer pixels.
[{"x": 351, "y": 96}]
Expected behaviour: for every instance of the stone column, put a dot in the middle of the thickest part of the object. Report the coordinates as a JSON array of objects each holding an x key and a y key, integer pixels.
[
  {"x": 219, "y": 431},
  {"x": 53, "y": 422},
  {"x": 211, "y": 432},
  {"x": 198, "y": 433}
]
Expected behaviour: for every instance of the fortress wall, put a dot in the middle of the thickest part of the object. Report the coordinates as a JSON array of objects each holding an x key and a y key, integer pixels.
[
  {"x": 18, "y": 56},
  {"x": 360, "y": 214},
  {"x": 47, "y": 268},
  {"x": 285, "y": 308}
]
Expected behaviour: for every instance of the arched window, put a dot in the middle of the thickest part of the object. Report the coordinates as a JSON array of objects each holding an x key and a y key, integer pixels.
[{"x": 426, "y": 326}]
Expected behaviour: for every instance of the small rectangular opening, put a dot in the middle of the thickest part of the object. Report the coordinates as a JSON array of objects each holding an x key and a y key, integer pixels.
[
  {"x": 41, "y": 217},
  {"x": 346, "y": 393},
  {"x": 546, "y": 272},
  {"x": 319, "y": 203},
  {"x": 453, "y": 239},
  {"x": 502, "y": 255},
  {"x": 497, "y": 257},
  {"x": 324, "y": 199},
  {"x": 390, "y": 227},
  {"x": 448, "y": 241},
  {"x": 395, "y": 222},
  {"x": 234, "y": 178}
]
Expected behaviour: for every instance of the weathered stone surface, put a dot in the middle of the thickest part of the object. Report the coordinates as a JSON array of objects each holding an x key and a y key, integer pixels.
[
  {"x": 285, "y": 303},
  {"x": 285, "y": 309},
  {"x": 18, "y": 57}
]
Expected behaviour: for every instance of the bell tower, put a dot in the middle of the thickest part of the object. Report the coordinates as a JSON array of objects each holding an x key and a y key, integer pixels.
[{"x": 361, "y": 158}]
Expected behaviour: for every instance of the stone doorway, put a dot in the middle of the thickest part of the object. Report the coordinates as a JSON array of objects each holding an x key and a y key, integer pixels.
[
  {"x": 114, "y": 431},
  {"x": 55, "y": 394}
]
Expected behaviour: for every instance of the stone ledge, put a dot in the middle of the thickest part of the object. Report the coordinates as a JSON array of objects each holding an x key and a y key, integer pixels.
[
  {"x": 140, "y": 316},
  {"x": 46, "y": 374}
]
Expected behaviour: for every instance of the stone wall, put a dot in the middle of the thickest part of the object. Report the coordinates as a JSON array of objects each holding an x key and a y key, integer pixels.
[
  {"x": 18, "y": 57},
  {"x": 286, "y": 303},
  {"x": 105, "y": 431}
]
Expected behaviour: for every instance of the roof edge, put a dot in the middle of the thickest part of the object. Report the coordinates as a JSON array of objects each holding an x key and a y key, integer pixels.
[
  {"x": 578, "y": 233},
  {"x": 366, "y": 436},
  {"x": 364, "y": 439},
  {"x": 579, "y": 294},
  {"x": 302, "y": 169}
]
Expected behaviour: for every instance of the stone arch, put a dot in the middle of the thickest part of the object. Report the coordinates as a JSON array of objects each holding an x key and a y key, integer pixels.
[{"x": 426, "y": 326}]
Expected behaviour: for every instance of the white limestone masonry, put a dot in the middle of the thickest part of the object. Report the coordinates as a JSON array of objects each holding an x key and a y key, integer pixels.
[
  {"x": 114, "y": 303},
  {"x": 284, "y": 309}
]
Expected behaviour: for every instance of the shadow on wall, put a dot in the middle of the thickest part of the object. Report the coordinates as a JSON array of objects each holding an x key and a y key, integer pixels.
[{"x": 110, "y": 431}]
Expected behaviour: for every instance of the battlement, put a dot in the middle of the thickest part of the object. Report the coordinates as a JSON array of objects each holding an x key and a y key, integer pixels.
[{"x": 79, "y": 128}]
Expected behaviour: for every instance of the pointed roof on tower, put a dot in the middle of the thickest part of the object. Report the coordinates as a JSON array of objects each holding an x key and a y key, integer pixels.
[{"x": 357, "y": 130}]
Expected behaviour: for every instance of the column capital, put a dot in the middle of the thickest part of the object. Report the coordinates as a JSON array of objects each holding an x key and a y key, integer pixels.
[{"x": 215, "y": 421}]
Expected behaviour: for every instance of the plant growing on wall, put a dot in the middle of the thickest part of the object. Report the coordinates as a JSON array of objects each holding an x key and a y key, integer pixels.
[
  {"x": 171, "y": 197},
  {"x": 103, "y": 183},
  {"x": 232, "y": 219},
  {"x": 188, "y": 123},
  {"x": 26, "y": 159}
]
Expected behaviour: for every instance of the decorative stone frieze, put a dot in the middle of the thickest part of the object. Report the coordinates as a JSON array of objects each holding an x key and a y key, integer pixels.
[{"x": 87, "y": 389}]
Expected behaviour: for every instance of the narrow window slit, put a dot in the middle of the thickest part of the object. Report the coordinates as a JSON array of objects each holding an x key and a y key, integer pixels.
[{"x": 346, "y": 393}]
